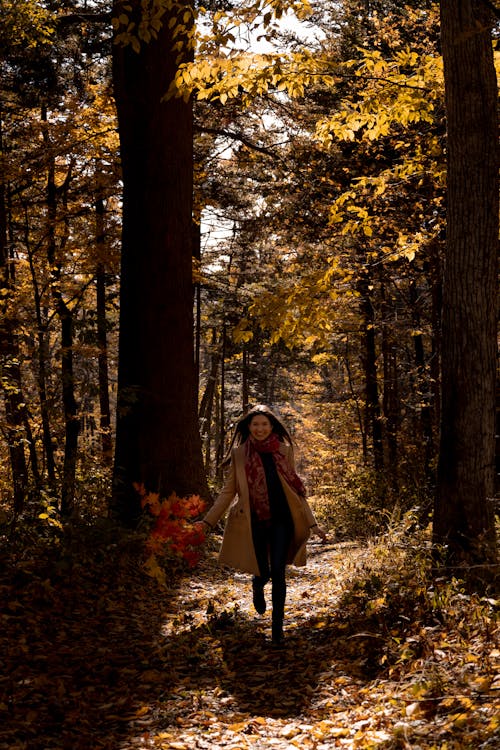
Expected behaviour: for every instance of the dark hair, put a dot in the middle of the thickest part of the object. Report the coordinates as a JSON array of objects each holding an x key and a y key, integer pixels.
[{"x": 242, "y": 428}]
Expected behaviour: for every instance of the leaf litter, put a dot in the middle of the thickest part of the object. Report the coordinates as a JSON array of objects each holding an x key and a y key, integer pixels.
[{"x": 95, "y": 655}]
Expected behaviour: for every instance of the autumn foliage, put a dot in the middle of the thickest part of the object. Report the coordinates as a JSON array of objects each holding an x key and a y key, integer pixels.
[{"x": 175, "y": 531}]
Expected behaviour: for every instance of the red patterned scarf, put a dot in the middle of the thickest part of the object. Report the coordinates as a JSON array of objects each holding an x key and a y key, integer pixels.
[{"x": 256, "y": 477}]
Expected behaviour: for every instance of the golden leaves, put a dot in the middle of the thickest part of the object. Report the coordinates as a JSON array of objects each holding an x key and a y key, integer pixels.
[
  {"x": 397, "y": 91},
  {"x": 399, "y": 95},
  {"x": 225, "y": 76},
  {"x": 241, "y": 332},
  {"x": 136, "y": 25},
  {"x": 26, "y": 24}
]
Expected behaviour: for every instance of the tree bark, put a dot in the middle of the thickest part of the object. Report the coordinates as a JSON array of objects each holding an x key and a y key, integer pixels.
[
  {"x": 42, "y": 360},
  {"x": 102, "y": 339},
  {"x": 245, "y": 373},
  {"x": 373, "y": 423},
  {"x": 463, "y": 514},
  {"x": 207, "y": 402},
  {"x": 10, "y": 362},
  {"x": 197, "y": 296},
  {"x": 157, "y": 433},
  {"x": 221, "y": 437},
  {"x": 55, "y": 247},
  {"x": 423, "y": 391},
  {"x": 390, "y": 395},
  {"x": 71, "y": 422}
]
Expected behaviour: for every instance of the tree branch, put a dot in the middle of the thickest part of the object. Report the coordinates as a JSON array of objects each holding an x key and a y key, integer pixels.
[{"x": 235, "y": 137}]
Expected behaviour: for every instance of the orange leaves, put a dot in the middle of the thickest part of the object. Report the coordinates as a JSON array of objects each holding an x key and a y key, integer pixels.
[{"x": 173, "y": 532}]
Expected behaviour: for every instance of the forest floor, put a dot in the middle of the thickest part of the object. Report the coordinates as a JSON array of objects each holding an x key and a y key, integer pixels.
[{"x": 95, "y": 655}]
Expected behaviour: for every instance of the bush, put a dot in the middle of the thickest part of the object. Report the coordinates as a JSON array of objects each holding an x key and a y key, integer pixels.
[{"x": 363, "y": 505}]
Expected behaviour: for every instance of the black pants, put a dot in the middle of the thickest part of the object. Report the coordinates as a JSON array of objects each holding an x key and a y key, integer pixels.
[{"x": 271, "y": 540}]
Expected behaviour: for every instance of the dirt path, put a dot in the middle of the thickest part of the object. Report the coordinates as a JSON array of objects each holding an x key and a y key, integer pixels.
[
  {"x": 94, "y": 655},
  {"x": 328, "y": 688},
  {"x": 235, "y": 690}
]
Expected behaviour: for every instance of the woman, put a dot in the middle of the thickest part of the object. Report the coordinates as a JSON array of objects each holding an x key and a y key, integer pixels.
[{"x": 269, "y": 520}]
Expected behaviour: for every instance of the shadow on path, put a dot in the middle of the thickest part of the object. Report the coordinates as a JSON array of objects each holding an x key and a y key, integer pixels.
[
  {"x": 79, "y": 631},
  {"x": 95, "y": 656}
]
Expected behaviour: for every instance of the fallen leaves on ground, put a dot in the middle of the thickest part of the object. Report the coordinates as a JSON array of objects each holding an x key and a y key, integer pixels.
[{"x": 96, "y": 656}]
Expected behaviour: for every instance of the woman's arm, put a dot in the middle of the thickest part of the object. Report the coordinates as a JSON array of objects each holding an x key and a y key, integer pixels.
[
  {"x": 313, "y": 524},
  {"x": 319, "y": 531}
]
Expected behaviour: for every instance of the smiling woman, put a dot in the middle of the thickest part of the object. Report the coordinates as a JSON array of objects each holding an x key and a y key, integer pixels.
[
  {"x": 269, "y": 520},
  {"x": 260, "y": 427}
]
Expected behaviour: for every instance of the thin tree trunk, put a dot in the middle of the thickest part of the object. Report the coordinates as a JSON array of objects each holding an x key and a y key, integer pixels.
[
  {"x": 71, "y": 422},
  {"x": 70, "y": 407},
  {"x": 102, "y": 339},
  {"x": 10, "y": 363},
  {"x": 217, "y": 469},
  {"x": 207, "y": 402},
  {"x": 373, "y": 422},
  {"x": 355, "y": 396},
  {"x": 424, "y": 393},
  {"x": 390, "y": 394},
  {"x": 197, "y": 295},
  {"x": 22, "y": 407},
  {"x": 245, "y": 393},
  {"x": 222, "y": 402},
  {"x": 434, "y": 271},
  {"x": 42, "y": 359},
  {"x": 208, "y": 395}
]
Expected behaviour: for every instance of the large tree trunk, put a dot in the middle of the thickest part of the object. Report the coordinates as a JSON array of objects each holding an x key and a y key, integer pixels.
[
  {"x": 464, "y": 518},
  {"x": 157, "y": 434}
]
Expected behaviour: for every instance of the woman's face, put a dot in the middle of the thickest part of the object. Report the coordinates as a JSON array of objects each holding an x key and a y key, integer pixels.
[{"x": 260, "y": 427}]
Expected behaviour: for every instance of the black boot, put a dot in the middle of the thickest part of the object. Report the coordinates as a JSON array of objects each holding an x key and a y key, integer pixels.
[
  {"x": 278, "y": 637},
  {"x": 259, "y": 601}
]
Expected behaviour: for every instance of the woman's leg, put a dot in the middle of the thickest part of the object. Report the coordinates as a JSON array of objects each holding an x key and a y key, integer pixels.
[
  {"x": 260, "y": 536},
  {"x": 280, "y": 538}
]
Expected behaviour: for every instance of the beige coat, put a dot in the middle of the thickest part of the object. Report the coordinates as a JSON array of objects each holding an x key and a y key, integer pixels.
[{"x": 237, "y": 549}]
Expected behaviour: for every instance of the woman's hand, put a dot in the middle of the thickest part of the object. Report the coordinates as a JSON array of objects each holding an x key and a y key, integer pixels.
[
  {"x": 318, "y": 531},
  {"x": 205, "y": 526}
]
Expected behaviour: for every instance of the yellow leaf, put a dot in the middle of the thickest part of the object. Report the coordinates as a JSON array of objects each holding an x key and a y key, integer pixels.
[
  {"x": 154, "y": 571},
  {"x": 141, "y": 712},
  {"x": 240, "y": 726}
]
